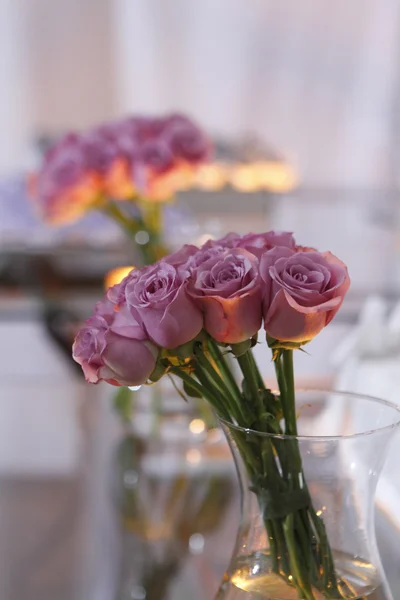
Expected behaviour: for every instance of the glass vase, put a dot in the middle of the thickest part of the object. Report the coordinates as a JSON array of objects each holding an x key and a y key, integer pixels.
[
  {"x": 174, "y": 487},
  {"x": 308, "y": 503}
]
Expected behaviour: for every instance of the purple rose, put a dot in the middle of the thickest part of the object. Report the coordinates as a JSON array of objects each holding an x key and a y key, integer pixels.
[
  {"x": 65, "y": 187},
  {"x": 182, "y": 256},
  {"x": 156, "y": 156},
  {"x": 157, "y": 297},
  {"x": 228, "y": 241},
  {"x": 258, "y": 243},
  {"x": 186, "y": 141},
  {"x": 202, "y": 256},
  {"x": 154, "y": 162},
  {"x": 227, "y": 288},
  {"x": 65, "y": 164},
  {"x": 126, "y": 133},
  {"x": 149, "y": 128},
  {"x": 100, "y": 148},
  {"x": 114, "y": 348},
  {"x": 116, "y": 293},
  {"x": 302, "y": 292}
]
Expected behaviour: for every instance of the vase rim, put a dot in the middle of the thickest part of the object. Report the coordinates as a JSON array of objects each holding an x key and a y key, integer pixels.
[{"x": 351, "y": 436}]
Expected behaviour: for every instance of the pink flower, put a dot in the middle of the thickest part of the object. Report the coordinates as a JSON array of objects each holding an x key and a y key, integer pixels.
[
  {"x": 302, "y": 292},
  {"x": 156, "y": 156},
  {"x": 100, "y": 148},
  {"x": 157, "y": 297},
  {"x": 116, "y": 293},
  {"x": 298, "y": 248},
  {"x": 227, "y": 289},
  {"x": 147, "y": 128},
  {"x": 258, "y": 243},
  {"x": 66, "y": 186},
  {"x": 114, "y": 348},
  {"x": 186, "y": 141},
  {"x": 228, "y": 241},
  {"x": 181, "y": 257},
  {"x": 153, "y": 172}
]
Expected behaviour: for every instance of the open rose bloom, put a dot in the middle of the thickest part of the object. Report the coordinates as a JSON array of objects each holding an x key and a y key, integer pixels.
[
  {"x": 188, "y": 316},
  {"x": 136, "y": 157},
  {"x": 225, "y": 290}
]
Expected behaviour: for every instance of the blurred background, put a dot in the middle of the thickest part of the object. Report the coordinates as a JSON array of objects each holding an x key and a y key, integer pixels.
[{"x": 316, "y": 86}]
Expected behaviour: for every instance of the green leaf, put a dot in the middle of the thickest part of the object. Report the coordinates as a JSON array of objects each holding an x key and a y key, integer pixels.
[
  {"x": 122, "y": 403},
  {"x": 178, "y": 391},
  {"x": 190, "y": 390}
]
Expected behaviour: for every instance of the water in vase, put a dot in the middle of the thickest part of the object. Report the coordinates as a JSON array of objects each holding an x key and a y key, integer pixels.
[{"x": 254, "y": 580}]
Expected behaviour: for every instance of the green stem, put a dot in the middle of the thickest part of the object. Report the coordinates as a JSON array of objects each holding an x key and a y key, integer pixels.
[
  {"x": 250, "y": 375},
  {"x": 203, "y": 390},
  {"x": 280, "y": 377},
  {"x": 281, "y": 545},
  {"x": 274, "y": 551},
  {"x": 295, "y": 561},
  {"x": 150, "y": 252},
  {"x": 290, "y": 401},
  {"x": 285, "y": 376},
  {"x": 152, "y": 215},
  {"x": 228, "y": 379},
  {"x": 256, "y": 370},
  {"x": 219, "y": 358},
  {"x": 131, "y": 226},
  {"x": 215, "y": 378}
]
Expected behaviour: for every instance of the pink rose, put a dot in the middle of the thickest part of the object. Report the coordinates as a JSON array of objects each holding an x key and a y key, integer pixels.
[
  {"x": 186, "y": 141},
  {"x": 148, "y": 128},
  {"x": 157, "y": 297},
  {"x": 125, "y": 134},
  {"x": 227, "y": 289},
  {"x": 100, "y": 148},
  {"x": 200, "y": 257},
  {"x": 258, "y": 243},
  {"x": 182, "y": 256},
  {"x": 66, "y": 186},
  {"x": 298, "y": 248},
  {"x": 228, "y": 241},
  {"x": 114, "y": 348},
  {"x": 302, "y": 292},
  {"x": 64, "y": 166},
  {"x": 152, "y": 170},
  {"x": 156, "y": 156}
]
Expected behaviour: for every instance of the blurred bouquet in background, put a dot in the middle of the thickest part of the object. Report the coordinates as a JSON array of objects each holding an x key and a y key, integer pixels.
[{"x": 128, "y": 170}]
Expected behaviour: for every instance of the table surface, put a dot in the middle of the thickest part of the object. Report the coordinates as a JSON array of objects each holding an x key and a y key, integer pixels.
[{"x": 61, "y": 535}]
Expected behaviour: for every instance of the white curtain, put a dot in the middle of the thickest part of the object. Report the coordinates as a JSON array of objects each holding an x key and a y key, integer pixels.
[
  {"x": 316, "y": 79},
  {"x": 14, "y": 94},
  {"x": 56, "y": 71}
]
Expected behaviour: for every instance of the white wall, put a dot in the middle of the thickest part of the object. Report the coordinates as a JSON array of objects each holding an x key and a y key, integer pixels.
[
  {"x": 15, "y": 113},
  {"x": 56, "y": 71},
  {"x": 318, "y": 80}
]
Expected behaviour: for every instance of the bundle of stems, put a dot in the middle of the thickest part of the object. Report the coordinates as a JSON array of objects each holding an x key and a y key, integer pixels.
[{"x": 298, "y": 543}]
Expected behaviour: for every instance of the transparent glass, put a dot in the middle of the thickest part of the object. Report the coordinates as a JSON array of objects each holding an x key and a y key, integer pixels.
[
  {"x": 343, "y": 441},
  {"x": 173, "y": 490}
]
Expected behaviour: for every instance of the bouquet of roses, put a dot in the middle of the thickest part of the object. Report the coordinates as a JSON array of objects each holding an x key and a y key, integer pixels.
[
  {"x": 186, "y": 316},
  {"x": 127, "y": 169}
]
